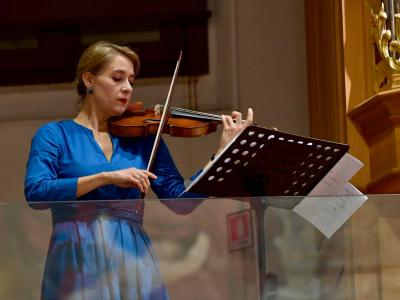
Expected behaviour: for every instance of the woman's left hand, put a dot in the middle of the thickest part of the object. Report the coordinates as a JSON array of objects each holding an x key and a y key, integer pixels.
[{"x": 233, "y": 125}]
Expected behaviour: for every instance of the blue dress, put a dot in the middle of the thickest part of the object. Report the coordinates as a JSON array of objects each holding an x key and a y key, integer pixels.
[{"x": 98, "y": 250}]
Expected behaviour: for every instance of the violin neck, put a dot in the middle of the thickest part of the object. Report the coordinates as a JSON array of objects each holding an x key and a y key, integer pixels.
[{"x": 187, "y": 113}]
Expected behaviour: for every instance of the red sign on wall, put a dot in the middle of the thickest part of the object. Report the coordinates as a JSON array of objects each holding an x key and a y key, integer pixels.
[{"x": 240, "y": 233}]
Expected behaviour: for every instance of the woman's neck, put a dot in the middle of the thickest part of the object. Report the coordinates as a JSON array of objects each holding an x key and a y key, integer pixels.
[{"x": 91, "y": 118}]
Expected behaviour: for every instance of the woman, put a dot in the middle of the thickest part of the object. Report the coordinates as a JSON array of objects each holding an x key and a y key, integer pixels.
[{"x": 101, "y": 251}]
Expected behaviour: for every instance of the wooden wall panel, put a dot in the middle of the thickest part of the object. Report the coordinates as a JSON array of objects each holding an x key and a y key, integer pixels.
[{"x": 325, "y": 69}]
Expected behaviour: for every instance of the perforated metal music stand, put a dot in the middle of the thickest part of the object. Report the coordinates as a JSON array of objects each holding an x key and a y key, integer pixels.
[{"x": 261, "y": 162}]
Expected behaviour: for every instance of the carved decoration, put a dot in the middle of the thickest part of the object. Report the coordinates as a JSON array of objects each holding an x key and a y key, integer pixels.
[
  {"x": 378, "y": 121},
  {"x": 387, "y": 70}
]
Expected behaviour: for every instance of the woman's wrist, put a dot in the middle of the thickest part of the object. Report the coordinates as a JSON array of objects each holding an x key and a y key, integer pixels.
[
  {"x": 89, "y": 183},
  {"x": 105, "y": 178},
  {"x": 219, "y": 150}
]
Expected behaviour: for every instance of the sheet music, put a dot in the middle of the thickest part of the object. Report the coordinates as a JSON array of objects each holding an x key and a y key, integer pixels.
[
  {"x": 333, "y": 200},
  {"x": 337, "y": 177}
]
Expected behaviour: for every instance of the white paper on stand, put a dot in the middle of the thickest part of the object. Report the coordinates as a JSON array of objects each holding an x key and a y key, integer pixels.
[{"x": 333, "y": 200}]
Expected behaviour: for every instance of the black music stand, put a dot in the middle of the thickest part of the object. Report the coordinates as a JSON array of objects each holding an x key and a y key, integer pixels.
[{"x": 261, "y": 162}]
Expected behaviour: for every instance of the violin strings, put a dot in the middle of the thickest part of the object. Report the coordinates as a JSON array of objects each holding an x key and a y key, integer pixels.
[
  {"x": 193, "y": 114},
  {"x": 183, "y": 112},
  {"x": 196, "y": 114}
]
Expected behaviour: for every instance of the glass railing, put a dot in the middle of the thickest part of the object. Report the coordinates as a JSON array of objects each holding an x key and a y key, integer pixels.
[{"x": 100, "y": 250}]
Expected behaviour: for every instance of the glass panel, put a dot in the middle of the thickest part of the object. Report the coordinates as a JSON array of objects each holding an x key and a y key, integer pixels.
[{"x": 99, "y": 250}]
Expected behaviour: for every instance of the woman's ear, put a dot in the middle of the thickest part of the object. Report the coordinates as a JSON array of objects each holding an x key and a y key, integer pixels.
[{"x": 88, "y": 79}]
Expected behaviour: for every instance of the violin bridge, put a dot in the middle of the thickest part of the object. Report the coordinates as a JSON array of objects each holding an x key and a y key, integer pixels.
[{"x": 157, "y": 109}]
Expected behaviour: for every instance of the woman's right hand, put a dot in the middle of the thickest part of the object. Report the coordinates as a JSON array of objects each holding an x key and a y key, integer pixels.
[{"x": 132, "y": 177}]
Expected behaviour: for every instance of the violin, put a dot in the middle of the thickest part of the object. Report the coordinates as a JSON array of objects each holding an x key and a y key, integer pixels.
[{"x": 139, "y": 121}]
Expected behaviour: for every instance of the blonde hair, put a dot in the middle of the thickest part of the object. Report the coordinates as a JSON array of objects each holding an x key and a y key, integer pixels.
[{"x": 96, "y": 56}]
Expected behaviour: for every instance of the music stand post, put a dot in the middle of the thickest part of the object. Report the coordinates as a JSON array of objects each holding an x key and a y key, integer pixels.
[
  {"x": 262, "y": 162},
  {"x": 260, "y": 205}
]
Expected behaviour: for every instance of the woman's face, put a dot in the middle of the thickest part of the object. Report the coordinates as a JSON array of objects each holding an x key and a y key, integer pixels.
[{"x": 113, "y": 86}]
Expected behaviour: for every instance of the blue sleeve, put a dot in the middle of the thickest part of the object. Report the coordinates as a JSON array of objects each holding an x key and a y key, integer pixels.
[
  {"x": 41, "y": 179},
  {"x": 170, "y": 184}
]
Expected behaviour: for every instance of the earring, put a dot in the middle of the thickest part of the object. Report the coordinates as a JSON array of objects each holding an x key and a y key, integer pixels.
[{"x": 90, "y": 90}]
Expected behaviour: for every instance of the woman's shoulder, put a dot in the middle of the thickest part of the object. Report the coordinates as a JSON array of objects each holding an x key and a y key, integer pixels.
[{"x": 53, "y": 129}]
